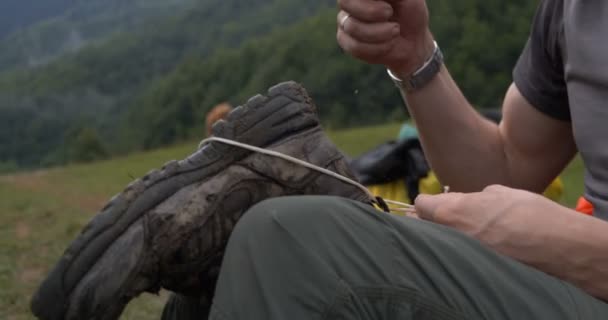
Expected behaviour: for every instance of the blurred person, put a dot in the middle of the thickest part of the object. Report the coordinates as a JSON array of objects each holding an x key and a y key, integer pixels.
[
  {"x": 491, "y": 253},
  {"x": 218, "y": 112}
]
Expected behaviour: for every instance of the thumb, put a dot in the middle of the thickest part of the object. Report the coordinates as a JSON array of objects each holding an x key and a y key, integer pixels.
[{"x": 427, "y": 205}]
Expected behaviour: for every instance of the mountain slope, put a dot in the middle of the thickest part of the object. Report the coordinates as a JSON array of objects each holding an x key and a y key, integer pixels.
[
  {"x": 151, "y": 87},
  {"x": 305, "y": 52},
  {"x": 348, "y": 92},
  {"x": 94, "y": 87}
]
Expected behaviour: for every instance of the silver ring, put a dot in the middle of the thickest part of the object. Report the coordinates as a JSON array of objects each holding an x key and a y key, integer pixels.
[{"x": 343, "y": 21}]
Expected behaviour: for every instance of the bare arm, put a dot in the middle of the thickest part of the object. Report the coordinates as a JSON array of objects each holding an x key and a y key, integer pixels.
[
  {"x": 577, "y": 251},
  {"x": 528, "y": 149},
  {"x": 529, "y": 228},
  {"x": 468, "y": 152}
]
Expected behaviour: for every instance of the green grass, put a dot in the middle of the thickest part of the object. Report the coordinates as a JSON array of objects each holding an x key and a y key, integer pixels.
[
  {"x": 573, "y": 181},
  {"x": 41, "y": 212}
]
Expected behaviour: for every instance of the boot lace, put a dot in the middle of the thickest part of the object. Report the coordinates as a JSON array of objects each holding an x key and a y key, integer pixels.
[{"x": 388, "y": 206}]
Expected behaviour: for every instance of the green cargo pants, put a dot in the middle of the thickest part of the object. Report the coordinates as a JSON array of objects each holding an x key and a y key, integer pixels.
[{"x": 331, "y": 258}]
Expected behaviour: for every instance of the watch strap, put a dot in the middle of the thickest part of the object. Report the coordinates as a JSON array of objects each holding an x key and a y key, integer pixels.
[{"x": 422, "y": 76}]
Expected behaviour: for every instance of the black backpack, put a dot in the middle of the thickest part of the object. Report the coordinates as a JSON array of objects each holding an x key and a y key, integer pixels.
[{"x": 393, "y": 161}]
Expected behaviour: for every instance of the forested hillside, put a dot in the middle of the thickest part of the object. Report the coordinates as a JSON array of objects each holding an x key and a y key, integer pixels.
[
  {"x": 44, "y": 109},
  {"x": 151, "y": 88},
  {"x": 481, "y": 41}
]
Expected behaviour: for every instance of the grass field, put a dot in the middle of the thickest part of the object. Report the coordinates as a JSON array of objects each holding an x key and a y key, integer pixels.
[{"x": 41, "y": 212}]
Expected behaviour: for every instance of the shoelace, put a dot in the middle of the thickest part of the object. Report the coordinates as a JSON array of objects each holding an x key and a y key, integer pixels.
[{"x": 386, "y": 205}]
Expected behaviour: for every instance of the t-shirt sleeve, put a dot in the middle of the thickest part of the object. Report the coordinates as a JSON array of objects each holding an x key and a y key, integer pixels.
[{"x": 539, "y": 72}]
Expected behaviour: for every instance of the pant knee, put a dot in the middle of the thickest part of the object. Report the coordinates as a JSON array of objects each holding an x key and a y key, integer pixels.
[
  {"x": 261, "y": 218},
  {"x": 266, "y": 220},
  {"x": 256, "y": 221}
]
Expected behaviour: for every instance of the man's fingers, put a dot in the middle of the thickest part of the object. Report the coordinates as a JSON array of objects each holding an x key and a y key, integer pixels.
[
  {"x": 426, "y": 206},
  {"x": 437, "y": 208},
  {"x": 367, "y": 10},
  {"x": 367, "y": 32},
  {"x": 363, "y": 50}
]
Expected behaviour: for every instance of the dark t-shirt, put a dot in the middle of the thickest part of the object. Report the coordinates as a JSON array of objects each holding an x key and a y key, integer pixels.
[{"x": 563, "y": 72}]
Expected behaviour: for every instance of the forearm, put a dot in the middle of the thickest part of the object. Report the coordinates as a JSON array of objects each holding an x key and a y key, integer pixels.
[
  {"x": 465, "y": 150},
  {"x": 572, "y": 247}
]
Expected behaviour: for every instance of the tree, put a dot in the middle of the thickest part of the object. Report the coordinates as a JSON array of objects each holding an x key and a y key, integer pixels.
[{"x": 85, "y": 146}]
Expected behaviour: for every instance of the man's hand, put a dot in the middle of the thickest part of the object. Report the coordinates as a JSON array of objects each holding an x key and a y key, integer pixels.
[
  {"x": 394, "y": 33},
  {"x": 505, "y": 219},
  {"x": 529, "y": 228}
]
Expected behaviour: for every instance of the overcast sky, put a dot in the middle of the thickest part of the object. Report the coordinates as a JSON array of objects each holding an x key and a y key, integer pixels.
[{"x": 19, "y": 13}]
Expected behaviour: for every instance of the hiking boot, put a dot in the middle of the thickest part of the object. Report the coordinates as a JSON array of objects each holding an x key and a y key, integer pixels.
[{"x": 169, "y": 229}]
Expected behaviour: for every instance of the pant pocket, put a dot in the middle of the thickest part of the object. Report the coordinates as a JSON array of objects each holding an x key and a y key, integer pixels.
[{"x": 389, "y": 303}]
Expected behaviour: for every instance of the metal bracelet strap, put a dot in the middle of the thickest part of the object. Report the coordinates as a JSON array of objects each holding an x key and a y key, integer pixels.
[{"x": 423, "y": 75}]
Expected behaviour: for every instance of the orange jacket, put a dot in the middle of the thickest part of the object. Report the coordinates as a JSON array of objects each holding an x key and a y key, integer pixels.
[{"x": 584, "y": 206}]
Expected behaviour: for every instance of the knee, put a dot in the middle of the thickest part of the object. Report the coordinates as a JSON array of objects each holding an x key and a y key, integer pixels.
[
  {"x": 262, "y": 217},
  {"x": 257, "y": 229},
  {"x": 258, "y": 219},
  {"x": 266, "y": 220}
]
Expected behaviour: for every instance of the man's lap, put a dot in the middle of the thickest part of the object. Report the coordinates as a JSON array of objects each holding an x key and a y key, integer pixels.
[{"x": 333, "y": 257}]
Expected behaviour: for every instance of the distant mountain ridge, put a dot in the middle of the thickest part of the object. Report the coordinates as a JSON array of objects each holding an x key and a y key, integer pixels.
[
  {"x": 33, "y": 35},
  {"x": 18, "y": 14}
]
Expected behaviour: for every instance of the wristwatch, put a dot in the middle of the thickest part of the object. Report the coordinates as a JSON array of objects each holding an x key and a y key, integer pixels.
[{"x": 422, "y": 76}]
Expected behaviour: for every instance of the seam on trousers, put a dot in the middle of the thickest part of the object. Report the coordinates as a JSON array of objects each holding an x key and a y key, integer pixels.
[
  {"x": 341, "y": 284},
  {"x": 342, "y": 295},
  {"x": 217, "y": 313},
  {"x": 447, "y": 312},
  {"x": 569, "y": 291},
  {"x": 394, "y": 241}
]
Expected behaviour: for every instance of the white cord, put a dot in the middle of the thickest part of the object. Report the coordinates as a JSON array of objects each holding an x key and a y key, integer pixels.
[{"x": 400, "y": 207}]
